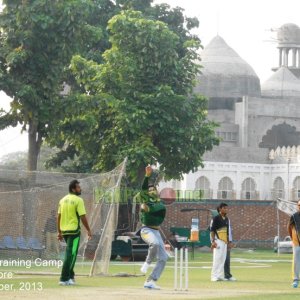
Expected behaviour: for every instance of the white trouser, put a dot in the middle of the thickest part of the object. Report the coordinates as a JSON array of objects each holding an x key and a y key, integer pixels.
[
  {"x": 296, "y": 262},
  {"x": 219, "y": 257},
  {"x": 156, "y": 250}
]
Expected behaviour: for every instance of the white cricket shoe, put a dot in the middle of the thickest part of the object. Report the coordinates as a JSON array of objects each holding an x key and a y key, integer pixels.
[
  {"x": 219, "y": 279},
  {"x": 64, "y": 282},
  {"x": 72, "y": 282},
  {"x": 151, "y": 285},
  {"x": 145, "y": 267},
  {"x": 231, "y": 279}
]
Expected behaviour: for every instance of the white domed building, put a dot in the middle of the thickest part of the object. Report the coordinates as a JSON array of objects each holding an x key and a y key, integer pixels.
[
  {"x": 254, "y": 118},
  {"x": 225, "y": 74},
  {"x": 286, "y": 80}
]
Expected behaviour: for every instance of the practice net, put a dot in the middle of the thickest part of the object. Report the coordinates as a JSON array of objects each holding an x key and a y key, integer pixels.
[{"x": 28, "y": 209}]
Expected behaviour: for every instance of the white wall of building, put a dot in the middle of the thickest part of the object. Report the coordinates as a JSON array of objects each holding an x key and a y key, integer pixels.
[{"x": 263, "y": 176}]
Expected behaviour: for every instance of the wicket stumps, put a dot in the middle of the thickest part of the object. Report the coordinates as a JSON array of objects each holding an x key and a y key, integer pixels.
[{"x": 183, "y": 269}]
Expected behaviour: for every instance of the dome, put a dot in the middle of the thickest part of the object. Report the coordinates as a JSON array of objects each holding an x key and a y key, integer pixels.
[
  {"x": 283, "y": 83},
  {"x": 288, "y": 34},
  {"x": 225, "y": 73}
]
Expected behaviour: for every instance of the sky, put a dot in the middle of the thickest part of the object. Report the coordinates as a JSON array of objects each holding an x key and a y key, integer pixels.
[{"x": 247, "y": 26}]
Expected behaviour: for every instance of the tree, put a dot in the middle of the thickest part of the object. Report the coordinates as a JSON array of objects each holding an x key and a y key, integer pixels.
[
  {"x": 18, "y": 160},
  {"x": 139, "y": 103},
  {"x": 14, "y": 161},
  {"x": 37, "y": 41}
]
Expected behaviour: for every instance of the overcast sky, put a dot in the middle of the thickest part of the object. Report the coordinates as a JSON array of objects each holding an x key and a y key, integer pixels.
[{"x": 246, "y": 26}]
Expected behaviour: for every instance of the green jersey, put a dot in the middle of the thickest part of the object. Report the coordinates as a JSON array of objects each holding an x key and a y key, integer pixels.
[
  {"x": 70, "y": 208},
  {"x": 157, "y": 211}
]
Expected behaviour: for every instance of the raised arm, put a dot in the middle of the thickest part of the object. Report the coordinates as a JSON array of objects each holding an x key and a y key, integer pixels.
[{"x": 148, "y": 172}]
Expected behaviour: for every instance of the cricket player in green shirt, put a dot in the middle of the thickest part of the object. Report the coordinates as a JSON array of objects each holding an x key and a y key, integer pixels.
[
  {"x": 70, "y": 211},
  {"x": 153, "y": 214}
]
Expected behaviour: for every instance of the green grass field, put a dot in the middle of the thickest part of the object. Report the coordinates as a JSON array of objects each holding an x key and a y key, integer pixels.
[{"x": 260, "y": 274}]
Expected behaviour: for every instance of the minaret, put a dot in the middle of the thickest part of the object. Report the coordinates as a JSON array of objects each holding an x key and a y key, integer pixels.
[{"x": 288, "y": 37}]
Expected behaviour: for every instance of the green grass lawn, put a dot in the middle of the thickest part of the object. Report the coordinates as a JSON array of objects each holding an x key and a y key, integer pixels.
[{"x": 260, "y": 274}]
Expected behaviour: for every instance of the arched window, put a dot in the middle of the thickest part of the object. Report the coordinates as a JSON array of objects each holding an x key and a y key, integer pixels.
[
  {"x": 248, "y": 189},
  {"x": 296, "y": 187},
  {"x": 278, "y": 188},
  {"x": 225, "y": 188},
  {"x": 203, "y": 185},
  {"x": 280, "y": 135}
]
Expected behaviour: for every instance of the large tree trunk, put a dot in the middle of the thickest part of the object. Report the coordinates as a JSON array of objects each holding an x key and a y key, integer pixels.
[
  {"x": 29, "y": 202},
  {"x": 34, "y": 146}
]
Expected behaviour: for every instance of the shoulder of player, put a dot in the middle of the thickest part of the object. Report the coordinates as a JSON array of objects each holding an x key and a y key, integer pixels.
[
  {"x": 215, "y": 218},
  {"x": 63, "y": 198},
  {"x": 72, "y": 197},
  {"x": 77, "y": 198},
  {"x": 293, "y": 216},
  {"x": 155, "y": 201}
]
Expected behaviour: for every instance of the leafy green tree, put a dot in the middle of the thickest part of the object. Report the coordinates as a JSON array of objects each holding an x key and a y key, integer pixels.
[
  {"x": 37, "y": 41},
  {"x": 139, "y": 103},
  {"x": 104, "y": 10},
  {"x": 18, "y": 160},
  {"x": 14, "y": 161}
]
